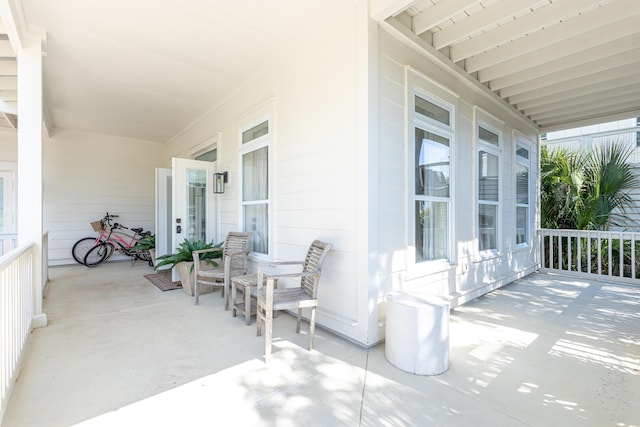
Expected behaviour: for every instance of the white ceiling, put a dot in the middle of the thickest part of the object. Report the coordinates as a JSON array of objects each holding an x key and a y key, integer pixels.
[
  {"x": 149, "y": 68},
  {"x": 562, "y": 63}
]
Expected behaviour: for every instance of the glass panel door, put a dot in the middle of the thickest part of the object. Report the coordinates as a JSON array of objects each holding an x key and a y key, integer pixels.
[{"x": 193, "y": 213}]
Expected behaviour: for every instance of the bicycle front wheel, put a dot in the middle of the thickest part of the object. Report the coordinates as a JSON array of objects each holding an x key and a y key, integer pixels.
[
  {"x": 82, "y": 247},
  {"x": 98, "y": 254}
]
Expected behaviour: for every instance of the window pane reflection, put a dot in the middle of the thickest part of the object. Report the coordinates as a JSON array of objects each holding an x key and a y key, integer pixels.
[
  {"x": 432, "y": 164},
  {"x": 431, "y": 230}
]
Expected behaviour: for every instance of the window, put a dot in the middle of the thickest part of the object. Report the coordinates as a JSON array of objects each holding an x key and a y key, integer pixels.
[
  {"x": 488, "y": 147},
  {"x": 431, "y": 195},
  {"x": 255, "y": 185},
  {"x": 209, "y": 156},
  {"x": 523, "y": 166}
]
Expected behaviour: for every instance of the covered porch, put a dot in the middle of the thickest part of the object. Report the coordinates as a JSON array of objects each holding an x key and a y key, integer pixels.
[{"x": 545, "y": 350}]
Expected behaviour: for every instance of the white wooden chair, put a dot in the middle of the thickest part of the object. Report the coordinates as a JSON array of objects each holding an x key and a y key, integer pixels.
[
  {"x": 305, "y": 295},
  {"x": 234, "y": 263}
]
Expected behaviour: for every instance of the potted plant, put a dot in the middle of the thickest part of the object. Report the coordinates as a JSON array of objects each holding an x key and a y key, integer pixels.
[
  {"x": 147, "y": 243},
  {"x": 182, "y": 259}
]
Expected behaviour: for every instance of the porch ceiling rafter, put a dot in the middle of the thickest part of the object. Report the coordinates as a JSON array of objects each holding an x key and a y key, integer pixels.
[{"x": 560, "y": 63}]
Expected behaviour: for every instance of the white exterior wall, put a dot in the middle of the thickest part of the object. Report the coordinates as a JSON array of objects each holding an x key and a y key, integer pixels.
[
  {"x": 86, "y": 175},
  {"x": 310, "y": 96},
  {"x": 470, "y": 274}
]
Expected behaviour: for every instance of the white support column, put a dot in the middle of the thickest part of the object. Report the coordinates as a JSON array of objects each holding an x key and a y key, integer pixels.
[{"x": 30, "y": 222}]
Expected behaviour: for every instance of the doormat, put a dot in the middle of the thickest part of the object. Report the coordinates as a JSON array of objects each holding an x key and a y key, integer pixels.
[{"x": 162, "y": 281}]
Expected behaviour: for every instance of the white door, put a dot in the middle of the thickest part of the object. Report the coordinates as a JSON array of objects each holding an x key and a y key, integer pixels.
[
  {"x": 164, "y": 203},
  {"x": 193, "y": 213}
]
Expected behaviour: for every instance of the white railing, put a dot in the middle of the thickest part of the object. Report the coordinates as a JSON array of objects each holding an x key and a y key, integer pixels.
[
  {"x": 610, "y": 254},
  {"x": 16, "y": 314},
  {"x": 8, "y": 241}
]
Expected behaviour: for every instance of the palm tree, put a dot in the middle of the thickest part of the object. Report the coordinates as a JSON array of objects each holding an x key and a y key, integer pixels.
[{"x": 586, "y": 190}]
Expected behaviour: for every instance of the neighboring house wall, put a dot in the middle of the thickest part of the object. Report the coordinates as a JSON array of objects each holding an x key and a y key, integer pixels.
[
  {"x": 86, "y": 175},
  {"x": 468, "y": 272}
]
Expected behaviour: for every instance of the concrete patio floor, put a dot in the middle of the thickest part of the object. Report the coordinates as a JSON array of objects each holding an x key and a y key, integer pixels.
[{"x": 544, "y": 351}]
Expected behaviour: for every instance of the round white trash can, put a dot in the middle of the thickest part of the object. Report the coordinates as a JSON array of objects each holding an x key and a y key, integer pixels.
[{"x": 417, "y": 333}]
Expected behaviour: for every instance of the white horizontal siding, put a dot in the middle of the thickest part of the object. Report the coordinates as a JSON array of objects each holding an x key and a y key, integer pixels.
[
  {"x": 471, "y": 274},
  {"x": 86, "y": 175}
]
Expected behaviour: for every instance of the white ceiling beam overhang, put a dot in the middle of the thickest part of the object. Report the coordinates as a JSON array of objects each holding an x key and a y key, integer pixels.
[
  {"x": 581, "y": 70},
  {"x": 561, "y": 48},
  {"x": 596, "y": 113},
  {"x": 559, "y": 95},
  {"x": 382, "y": 9},
  {"x": 607, "y": 117},
  {"x": 591, "y": 98},
  {"x": 586, "y": 84},
  {"x": 585, "y": 23},
  {"x": 397, "y": 29},
  {"x": 580, "y": 109},
  {"x": 479, "y": 21},
  {"x": 536, "y": 20},
  {"x": 613, "y": 52},
  {"x": 439, "y": 13}
]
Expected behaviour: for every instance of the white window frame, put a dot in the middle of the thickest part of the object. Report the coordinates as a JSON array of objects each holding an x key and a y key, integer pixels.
[
  {"x": 248, "y": 147},
  {"x": 496, "y": 150},
  {"x": 417, "y": 120},
  {"x": 518, "y": 160}
]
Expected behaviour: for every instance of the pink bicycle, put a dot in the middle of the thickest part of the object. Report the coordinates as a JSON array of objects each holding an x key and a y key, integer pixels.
[{"x": 113, "y": 237}]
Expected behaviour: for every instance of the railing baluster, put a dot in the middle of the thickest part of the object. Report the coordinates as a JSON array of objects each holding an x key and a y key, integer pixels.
[
  {"x": 16, "y": 314},
  {"x": 568, "y": 250}
]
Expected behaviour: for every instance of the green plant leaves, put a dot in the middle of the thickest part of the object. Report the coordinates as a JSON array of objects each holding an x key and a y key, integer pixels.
[{"x": 185, "y": 253}]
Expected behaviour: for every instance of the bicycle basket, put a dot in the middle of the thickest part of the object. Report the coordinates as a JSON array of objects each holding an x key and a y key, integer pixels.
[{"x": 96, "y": 225}]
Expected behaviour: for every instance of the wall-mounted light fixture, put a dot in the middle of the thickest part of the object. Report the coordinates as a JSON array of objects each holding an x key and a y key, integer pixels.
[{"x": 219, "y": 179}]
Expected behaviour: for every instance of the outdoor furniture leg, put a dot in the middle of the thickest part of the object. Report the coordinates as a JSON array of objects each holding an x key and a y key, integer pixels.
[{"x": 312, "y": 326}]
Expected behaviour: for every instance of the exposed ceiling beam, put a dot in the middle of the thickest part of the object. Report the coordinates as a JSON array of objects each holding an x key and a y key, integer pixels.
[
  {"x": 588, "y": 99},
  {"x": 538, "y": 19},
  {"x": 479, "y": 21},
  {"x": 396, "y": 28},
  {"x": 439, "y": 13},
  {"x": 580, "y": 70},
  {"x": 561, "y": 48},
  {"x": 612, "y": 52},
  {"x": 587, "y": 107},
  {"x": 620, "y": 75},
  {"x": 585, "y": 23},
  {"x": 596, "y": 113},
  {"x": 607, "y": 117}
]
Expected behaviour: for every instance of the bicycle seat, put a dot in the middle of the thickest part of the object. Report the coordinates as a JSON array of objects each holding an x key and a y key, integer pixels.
[{"x": 137, "y": 230}]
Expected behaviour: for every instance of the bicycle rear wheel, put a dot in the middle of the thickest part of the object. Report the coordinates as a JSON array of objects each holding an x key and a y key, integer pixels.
[
  {"x": 82, "y": 247},
  {"x": 98, "y": 254}
]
